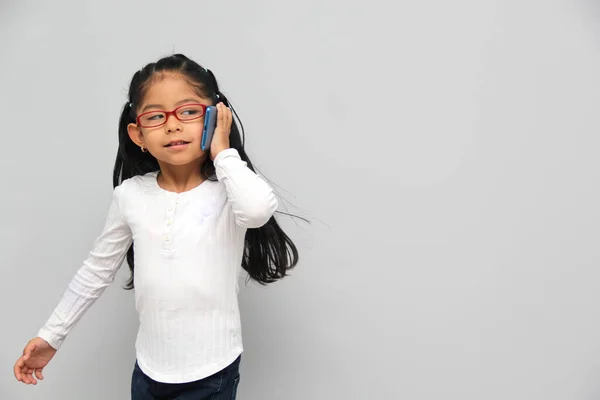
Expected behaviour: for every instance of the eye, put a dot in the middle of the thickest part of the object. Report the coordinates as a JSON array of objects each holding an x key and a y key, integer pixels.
[
  {"x": 191, "y": 111},
  {"x": 154, "y": 117}
]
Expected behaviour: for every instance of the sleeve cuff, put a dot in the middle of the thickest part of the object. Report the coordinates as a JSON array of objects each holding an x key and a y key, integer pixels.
[
  {"x": 231, "y": 152},
  {"x": 52, "y": 340}
]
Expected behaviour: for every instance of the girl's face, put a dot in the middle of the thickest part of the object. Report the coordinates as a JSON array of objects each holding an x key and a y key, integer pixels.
[{"x": 169, "y": 139}]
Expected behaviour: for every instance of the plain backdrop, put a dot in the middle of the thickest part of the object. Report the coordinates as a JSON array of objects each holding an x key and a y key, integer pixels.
[{"x": 445, "y": 152}]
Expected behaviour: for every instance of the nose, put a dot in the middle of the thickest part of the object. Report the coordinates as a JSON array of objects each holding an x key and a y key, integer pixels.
[{"x": 172, "y": 124}]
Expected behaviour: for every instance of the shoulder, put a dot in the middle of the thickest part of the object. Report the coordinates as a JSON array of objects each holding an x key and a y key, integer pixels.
[{"x": 135, "y": 187}]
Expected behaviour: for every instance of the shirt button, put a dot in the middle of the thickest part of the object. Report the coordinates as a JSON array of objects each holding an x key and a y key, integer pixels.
[
  {"x": 166, "y": 239},
  {"x": 169, "y": 223}
]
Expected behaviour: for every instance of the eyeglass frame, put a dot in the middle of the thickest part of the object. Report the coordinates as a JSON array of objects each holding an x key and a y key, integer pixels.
[{"x": 169, "y": 113}]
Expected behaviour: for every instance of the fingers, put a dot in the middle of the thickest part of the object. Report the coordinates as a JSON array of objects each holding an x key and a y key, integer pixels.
[
  {"x": 224, "y": 117},
  {"x": 17, "y": 369},
  {"x": 29, "y": 377},
  {"x": 23, "y": 373},
  {"x": 220, "y": 114},
  {"x": 220, "y": 140},
  {"x": 228, "y": 116}
]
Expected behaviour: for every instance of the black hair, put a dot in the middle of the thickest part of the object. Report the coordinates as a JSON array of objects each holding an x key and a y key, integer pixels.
[{"x": 268, "y": 252}]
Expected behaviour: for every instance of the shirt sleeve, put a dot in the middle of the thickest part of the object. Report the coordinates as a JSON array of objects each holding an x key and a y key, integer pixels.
[
  {"x": 252, "y": 200},
  {"x": 93, "y": 277}
]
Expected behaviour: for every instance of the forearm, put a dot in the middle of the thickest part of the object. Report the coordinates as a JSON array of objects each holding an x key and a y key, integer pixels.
[
  {"x": 252, "y": 199},
  {"x": 97, "y": 272},
  {"x": 88, "y": 284}
]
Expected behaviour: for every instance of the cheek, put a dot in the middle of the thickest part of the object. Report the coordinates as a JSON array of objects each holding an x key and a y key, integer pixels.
[
  {"x": 194, "y": 130},
  {"x": 153, "y": 140}
]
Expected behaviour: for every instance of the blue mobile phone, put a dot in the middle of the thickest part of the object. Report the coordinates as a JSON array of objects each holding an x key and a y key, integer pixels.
[{"x": 210, "y": 123}]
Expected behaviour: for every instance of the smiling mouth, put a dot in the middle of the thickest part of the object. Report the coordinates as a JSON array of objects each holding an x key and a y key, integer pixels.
[{"x": 177, "y": 143}]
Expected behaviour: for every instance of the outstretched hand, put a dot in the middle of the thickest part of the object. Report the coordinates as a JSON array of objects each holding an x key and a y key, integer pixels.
[
  {"x": 36, "y": 355},
  {"x": 220, "y": 140}
]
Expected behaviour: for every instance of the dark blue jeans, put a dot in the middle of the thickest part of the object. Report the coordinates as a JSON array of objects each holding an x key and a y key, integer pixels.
[{"x": 220, "y": 386}]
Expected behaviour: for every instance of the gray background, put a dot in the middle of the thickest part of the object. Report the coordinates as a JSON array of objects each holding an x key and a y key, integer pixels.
[{"x": 446, "y": 153}]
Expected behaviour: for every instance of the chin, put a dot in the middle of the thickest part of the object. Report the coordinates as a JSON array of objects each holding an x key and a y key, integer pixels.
[{"x": 183, "y": 159}]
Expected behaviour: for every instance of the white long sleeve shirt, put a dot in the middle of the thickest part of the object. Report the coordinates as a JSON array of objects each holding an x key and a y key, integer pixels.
[{"x": 188, "y": 251}]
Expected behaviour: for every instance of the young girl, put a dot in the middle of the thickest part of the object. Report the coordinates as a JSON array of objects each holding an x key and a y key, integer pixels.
[{"x": 193, "y": 218}]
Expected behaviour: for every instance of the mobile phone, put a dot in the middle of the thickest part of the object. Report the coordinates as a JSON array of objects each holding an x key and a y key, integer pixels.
[{"x": 210, "y": 123}]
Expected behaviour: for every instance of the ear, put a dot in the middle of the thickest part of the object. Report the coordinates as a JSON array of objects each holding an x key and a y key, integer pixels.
[{"x": 135, "y": 134}]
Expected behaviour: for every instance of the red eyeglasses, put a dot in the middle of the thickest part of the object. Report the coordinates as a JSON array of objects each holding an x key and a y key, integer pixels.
[{"x": 184, "y": 113}]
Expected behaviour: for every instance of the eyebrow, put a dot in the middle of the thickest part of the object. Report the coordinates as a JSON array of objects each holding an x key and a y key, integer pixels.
[{"x": 160, "y": 106}]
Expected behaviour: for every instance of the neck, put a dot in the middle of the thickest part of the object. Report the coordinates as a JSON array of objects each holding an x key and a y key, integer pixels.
[{"x": 180, "y": 178}]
